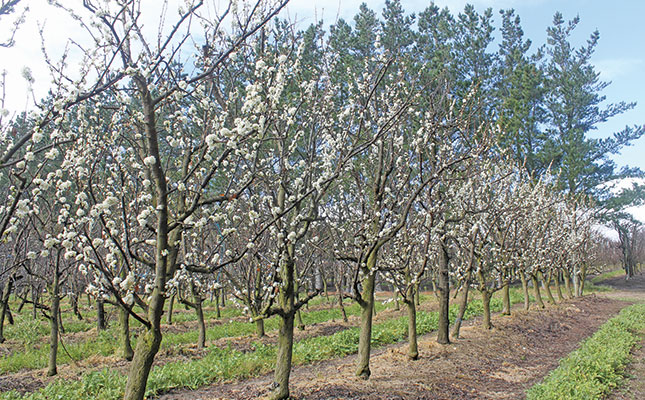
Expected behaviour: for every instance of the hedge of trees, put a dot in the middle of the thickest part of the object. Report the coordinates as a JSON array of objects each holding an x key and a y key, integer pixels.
[{"x": 232, "y": 154}]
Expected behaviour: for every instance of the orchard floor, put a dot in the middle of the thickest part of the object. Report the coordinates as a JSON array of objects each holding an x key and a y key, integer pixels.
[
  {"x": 634, "y": 387},
  {"x": 497, "y": 364}
]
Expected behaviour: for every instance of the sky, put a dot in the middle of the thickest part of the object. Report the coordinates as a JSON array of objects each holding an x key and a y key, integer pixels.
[{"x": 619, "y": 56}]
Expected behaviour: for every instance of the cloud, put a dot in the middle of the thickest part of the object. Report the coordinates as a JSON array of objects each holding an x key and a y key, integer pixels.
[{"x": 612, "y": 68}]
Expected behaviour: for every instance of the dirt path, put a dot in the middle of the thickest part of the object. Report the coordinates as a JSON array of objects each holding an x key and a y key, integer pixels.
[
  {"x": 634, "y": 288},
  {"x": 498, "y": 364}
]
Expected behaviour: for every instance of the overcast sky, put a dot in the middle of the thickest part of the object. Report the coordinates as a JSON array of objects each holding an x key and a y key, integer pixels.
[{"x": 619, "y": 55}]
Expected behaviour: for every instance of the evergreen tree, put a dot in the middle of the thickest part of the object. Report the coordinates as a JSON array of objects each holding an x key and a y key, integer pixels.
[{"x": 573, "y": 103}]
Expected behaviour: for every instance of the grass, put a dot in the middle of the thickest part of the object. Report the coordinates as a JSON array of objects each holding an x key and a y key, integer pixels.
[
  {"x": 607, "y": 275},
  {"x": 33, "y": 354},
  {"x": 222, "y": 364},
  {"x": 597, "y": 366}
]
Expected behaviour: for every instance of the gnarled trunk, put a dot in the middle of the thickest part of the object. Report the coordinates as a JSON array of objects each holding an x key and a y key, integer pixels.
[
  {"x": 536, "y": 291},
  {"x": 547, "y": 284},
  {"x": 283, "y": 357},
  {"x": 286, "y": 299},
  {"x": 367, "y": 311},
  {"x": 463, "y": 304}
]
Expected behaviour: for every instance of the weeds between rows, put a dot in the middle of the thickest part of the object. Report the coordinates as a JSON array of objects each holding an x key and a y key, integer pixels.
[
  {"x": 222, "y": 364},
  {"x": 597, "y": 366}
]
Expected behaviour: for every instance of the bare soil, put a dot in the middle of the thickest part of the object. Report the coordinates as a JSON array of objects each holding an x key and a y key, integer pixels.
[{"x": 497, "y": 364}]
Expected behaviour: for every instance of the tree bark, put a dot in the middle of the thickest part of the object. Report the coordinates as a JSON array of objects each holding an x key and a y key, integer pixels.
[
  {"x": 413, "y": 348},
  {"x": 486, "y": 296},
  {"x": 583, "y": 278},
  {"x": 558, "y": 287},
  {"x": 506, "y": 298},
  {"x": 4, "y": 307},
  {"x": 145, "y": 351},
  {"x": 283, "y": 357},
  {"x": 536, "y": 290},
  {"x": 75, "y": 310},
  {"x": 525, "y": 291},
  {"x": 217, "y": 307},
  {"x": 367, "y": 312},
  {"x": 463, "y": 304},
  {"x": 171, "y": 304},
  {"x": 124, "y": 322},
  {"x": 201, "y": 341},
  {"x": 567, "y": 284},
  {"x": 340, "y": 304},
  {"x": 100, "y": 314},
  {"x": 286, "y": 299},
  {"x": 547, "y": 287},
  {"x": 34, "y": 300},
  {"x": 259, "y": 327},
  {"x": 444, "y": 296},
  {"x": 53, "y": 324}
]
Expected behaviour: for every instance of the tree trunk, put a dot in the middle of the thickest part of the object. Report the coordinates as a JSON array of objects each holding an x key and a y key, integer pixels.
[
  {"x": 443, "y": 285},
  {"x": 413, "y": 348},
  {"x": 199, "y": 310},
  {"x": 217, "y": 307},
  {"x": 4, "y": 306},
  {"x": 547, "y": 287},
  {"x": 286, "y": 299},
  {"x": 583, "y": 278},
  {"x": 486, "y": 296},
  {"x": 201, "y": 341},
  {"x": 558, "y": 287},
  {"x": 75, "y": 310},
  {"x": 124, "y": 322},
  {"x": 299, "y": 323},
  {"x": 147, "y": 346},
  {"x": 283, "y": 357},
  {"x": 567, "y": 284},
  {"x": 34, "y": 300},
  {"x": 367, "y": 311},
  {"x": 171, "y": 305},
  {"x": 536, "y": 289},
  {"x": 259, "y": 327},
  {"x": 340, "y": 304},
  {"x": 525, "y": 291},
  {"x": 463, "y": 304},
  {"x": 417, "y": 293},
  {"x": 576, "y": 284},
  {"x": 506, "y": 298},
  {"x": 100, "y": 314},
  {"x": 53, "y": 324}
]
